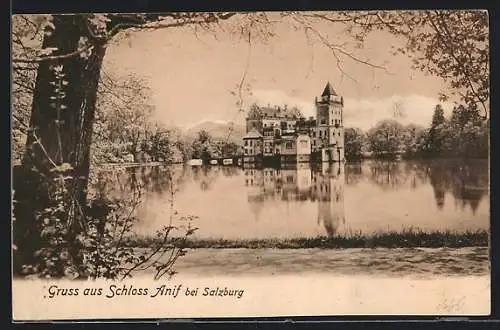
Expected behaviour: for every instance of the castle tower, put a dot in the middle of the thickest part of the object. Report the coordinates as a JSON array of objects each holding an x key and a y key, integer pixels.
[{"x": 329, "y": 125}]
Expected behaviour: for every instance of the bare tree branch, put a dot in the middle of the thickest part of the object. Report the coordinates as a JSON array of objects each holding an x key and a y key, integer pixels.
[
  {"x": 336, "y": 48},
  {"x": 193, "y": 18}
]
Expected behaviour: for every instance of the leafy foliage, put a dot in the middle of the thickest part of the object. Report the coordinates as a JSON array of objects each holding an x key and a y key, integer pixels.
[
  {"x": 122, "y": 118},
  {"x": 157, "y": 144},
  {"x": 27, "y": 35},
  {"x": 452, "y": 44},
  {"x": 435, "y": 138},
  {"x": 100, "y": 251},
  {"x": 54, "y": 256},
  {"x": 464, "y": 134},
  {"x": 354, "y": 140},
  {"x": 206, "y": 147},
  {"x": 385, "y": 138}
]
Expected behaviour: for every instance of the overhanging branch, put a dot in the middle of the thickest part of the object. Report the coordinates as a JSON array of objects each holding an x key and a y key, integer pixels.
[{"x": 54, "y": 57}]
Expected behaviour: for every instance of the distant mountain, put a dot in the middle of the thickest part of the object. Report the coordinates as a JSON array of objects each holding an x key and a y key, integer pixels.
[{"x": 218, "y": 130}]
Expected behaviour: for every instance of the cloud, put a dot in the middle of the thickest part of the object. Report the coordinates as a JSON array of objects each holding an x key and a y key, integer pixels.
[
  {"x": 408, "y": 109},
  {"x": 365, "y": 113}
]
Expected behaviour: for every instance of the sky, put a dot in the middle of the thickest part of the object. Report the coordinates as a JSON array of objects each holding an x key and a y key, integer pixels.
[{"x": 191, "y": 75}]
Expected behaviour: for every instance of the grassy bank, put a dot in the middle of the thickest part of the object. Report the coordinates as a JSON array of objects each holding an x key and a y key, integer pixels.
[{"x": 403, "y": 239}]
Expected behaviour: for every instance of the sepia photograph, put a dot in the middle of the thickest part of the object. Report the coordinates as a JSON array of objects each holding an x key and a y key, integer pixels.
[{"x": 250, "y": 164}]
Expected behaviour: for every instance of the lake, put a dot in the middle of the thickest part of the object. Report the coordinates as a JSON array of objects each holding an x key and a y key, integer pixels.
[{"x": 308, "y": 201}]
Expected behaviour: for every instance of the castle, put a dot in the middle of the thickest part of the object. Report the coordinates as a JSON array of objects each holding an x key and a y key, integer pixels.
[{"x": 286, "y": 136}]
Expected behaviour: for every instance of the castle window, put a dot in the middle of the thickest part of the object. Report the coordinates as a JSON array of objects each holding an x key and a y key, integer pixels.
[
  {"x": 323, "y": 121},
  {"x": 288, "y": 145},
  {"x": 246, "y": 143},
  {"x": 314, "y": 142}
]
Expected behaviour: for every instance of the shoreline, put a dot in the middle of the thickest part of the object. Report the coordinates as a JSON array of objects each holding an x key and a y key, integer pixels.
[
  {"x": 347, "y": 162},
  {"x": 404, "y": 239}
]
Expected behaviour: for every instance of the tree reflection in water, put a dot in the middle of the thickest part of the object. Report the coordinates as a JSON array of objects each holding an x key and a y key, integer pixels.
[
  {"x": 466, "y": 182},
  {"x": 206, "y": 176},
  {"x": 120, "y": 181},
  {"x": 353, "y": 173},
  {"x": 387, "y": 175}
]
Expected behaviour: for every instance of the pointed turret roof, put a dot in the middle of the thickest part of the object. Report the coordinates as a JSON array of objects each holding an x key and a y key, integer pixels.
[{"x": 329, "y": 90}]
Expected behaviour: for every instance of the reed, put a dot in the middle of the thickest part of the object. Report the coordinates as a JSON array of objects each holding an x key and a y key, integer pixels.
[{"x": 407, "y": 238}]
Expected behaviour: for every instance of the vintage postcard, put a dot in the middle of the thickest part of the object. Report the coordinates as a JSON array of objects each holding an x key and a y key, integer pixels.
[{"x": 250, "y": 164}]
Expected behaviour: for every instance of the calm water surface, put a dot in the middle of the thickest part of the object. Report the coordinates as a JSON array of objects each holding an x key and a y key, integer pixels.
[{"x": 305, "y": 201}]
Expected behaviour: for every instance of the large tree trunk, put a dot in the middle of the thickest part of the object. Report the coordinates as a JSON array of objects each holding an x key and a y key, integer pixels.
[{"x": 57, "y": 136}]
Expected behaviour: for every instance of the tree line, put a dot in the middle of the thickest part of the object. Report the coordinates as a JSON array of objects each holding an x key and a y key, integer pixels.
[
  {"x": 126, "y": 129},
  {"x": 464, "y": 134}
]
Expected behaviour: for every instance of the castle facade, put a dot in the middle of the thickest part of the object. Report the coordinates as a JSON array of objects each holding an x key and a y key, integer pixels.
[{"x": 276, "y": 134}]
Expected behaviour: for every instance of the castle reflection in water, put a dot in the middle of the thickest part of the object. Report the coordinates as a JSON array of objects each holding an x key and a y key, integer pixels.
[{"x": 322, "y": 184}]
